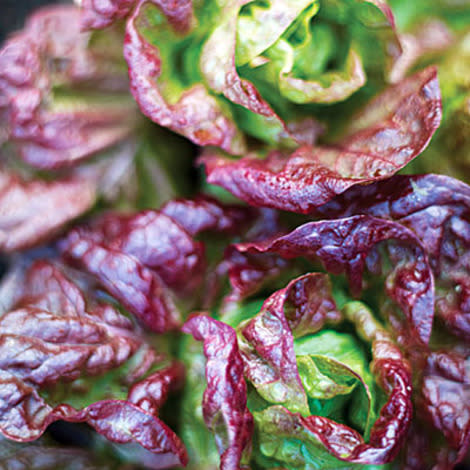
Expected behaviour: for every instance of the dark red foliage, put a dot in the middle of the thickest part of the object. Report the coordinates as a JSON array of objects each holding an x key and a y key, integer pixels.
[
  {"x": 54, "y": 335},
  {"x": 114, "y": 251},
  {"x": 204, "y": 213},
  {"x": 444, "y": 399},
  {"x": 344, "y": 245},
  {"x": 437, "y": 209},
  {"x": 138, "y": 258},
  {"x": 224, "y": 403}
]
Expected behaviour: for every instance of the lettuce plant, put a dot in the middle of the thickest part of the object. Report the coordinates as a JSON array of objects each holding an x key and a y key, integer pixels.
[
  {"x": 311, "y": 313},
  {"x": 315, "y": 398}
]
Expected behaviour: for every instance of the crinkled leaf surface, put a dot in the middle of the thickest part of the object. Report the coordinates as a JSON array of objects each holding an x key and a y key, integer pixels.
[
  {"x": 54, "y": 336},
  {"x": 343, "y": 245},
  {"x": 444, "y": 399},
  {"x": 224, "y": 402},
  {"x": 136, "y": 257},
  {"x": 437, "y": 209},
  {"x": 392, "y": 130}
]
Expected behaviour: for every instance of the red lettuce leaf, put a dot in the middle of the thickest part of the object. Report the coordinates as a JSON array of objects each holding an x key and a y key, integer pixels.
[
  {"x": 444, "y": 400},
  {"x": 33, "y": 211},
  {"x": 52, "y": 316},
  {"x": 204, "y": 213},
  {"x": 437, "y": 209},
  {"x": 267, "y": 341},
  {"x": 135, "y": 260},
  {"x": 307, "y": 304},
  {"x": 26, "y": 416},
  {"x": 49, "y": 55},
  {"x": 54, "y": 335},
  {"x": 344, "y": 245},
  {"x": 196, "y": 114},
  {"x": 96, "y": 15},
  {"x": 441, "y": 398},
  {"x": 138, "y": 257},
  {"x": 156, "y": 240},
  {"x": 391, "y": 427},
  {"x": 392, "y": 130},
  {"x": 224, "y": 402}
]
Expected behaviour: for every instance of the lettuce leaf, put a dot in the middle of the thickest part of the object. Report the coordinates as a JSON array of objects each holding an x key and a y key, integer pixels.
[
  {"x": 349, "y": 246},
  {"x": 386, "y": 135},
  {"x": 256, "y": 75},
  {"x": 57, "y": 343}
]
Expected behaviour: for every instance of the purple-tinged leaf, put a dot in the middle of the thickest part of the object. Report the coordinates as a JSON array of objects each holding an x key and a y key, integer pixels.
[
  {"x": 207, "y": 214},
  {"x": 51, "y": 128},
  {"x": 33, "y": 211},
  {"x": 157, "y": 241},
  {"x": 137, "y": 258},
  {"x": 196, "y": 114},
  {"x": 138, "y": 288},
  {"x": 344, "y": 245},
  {"x": 224, "y": 403},
  {"x": 249, "y": 272},
  {"x": 97, "y": 14},
  {"x": 307, "y": 303},
  {"x": 391, "y": 130},
  {"x": 53, "y": 336},
  {"x": 437, "y": 209},
  {"x": 444, "y": 399},
  {"x": 25, "y": 417},
  {"x": 267, "y": 343}
]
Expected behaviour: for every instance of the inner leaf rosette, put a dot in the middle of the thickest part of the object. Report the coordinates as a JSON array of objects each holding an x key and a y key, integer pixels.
[
  {"x": 213, "y": 69},
  {"x": 312, "y": 393}
]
